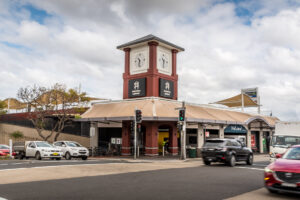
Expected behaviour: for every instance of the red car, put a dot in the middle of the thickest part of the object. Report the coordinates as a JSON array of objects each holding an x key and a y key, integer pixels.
[
  {"x": 4, "y": 150},
  {"x": 284, "y": 174}
]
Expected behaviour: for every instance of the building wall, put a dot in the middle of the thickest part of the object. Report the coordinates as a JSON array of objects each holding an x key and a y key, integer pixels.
[{"x": 31, "y": 134}]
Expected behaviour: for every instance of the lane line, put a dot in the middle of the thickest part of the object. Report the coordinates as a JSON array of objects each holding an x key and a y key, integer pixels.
[
  {"x": 251, "y": 168},
  {"x": 4, "y": 164}
]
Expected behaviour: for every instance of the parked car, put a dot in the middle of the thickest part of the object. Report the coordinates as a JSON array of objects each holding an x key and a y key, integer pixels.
[
  {"x": 37, "y": 150},
  {"x": 284, "y": 173},
  {"x": 227, "y": 151},
  {"x": 71, "y": 149},
  {"x": 4, "y": 150}
]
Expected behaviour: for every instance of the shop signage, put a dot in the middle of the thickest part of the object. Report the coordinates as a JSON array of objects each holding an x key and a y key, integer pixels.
[
  {"x": 166, "y": 88},
  {"x": 235, "y": 129},
  {"x": 252, "y": 93},
  {"x": 137, "y": 87},
  {"x": 116, "y": 140},
  {"x": 207, "y": 134}
]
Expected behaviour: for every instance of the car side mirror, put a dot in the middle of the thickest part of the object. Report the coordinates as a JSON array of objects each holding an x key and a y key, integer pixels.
[{"x": 278, "y": 155}]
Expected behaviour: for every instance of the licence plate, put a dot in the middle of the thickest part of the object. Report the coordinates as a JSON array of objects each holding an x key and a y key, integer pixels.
[
  {"x": 55, "y": 154},
  {"x": 289, "y": 185}
]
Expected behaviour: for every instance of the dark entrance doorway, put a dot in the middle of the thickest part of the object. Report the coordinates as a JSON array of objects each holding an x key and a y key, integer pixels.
[{"x": 108, "y": 141}]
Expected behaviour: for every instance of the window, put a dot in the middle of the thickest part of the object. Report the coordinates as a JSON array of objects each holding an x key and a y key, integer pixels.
[{"x": 59, "y": 144}]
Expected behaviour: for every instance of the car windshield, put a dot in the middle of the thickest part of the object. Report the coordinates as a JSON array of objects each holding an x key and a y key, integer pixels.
[
  {"x": 43, "y": 144},
  {"x": 214, "y": 143},
  {"x": 4, "y": 147},
  {"x": 285, "y": 141},
  {"x": 292, "y": 153},
  {"x": 73, "y": 144}
]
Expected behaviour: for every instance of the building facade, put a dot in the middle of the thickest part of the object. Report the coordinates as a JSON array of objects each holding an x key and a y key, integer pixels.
[{"x": 151, "y": 85}]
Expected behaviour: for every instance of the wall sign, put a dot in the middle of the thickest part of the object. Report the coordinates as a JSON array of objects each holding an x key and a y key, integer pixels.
[
  {"x": 137, "y": 87},
  {"x": 166, "y": 88},
  {"x": 235, "y": 129}
]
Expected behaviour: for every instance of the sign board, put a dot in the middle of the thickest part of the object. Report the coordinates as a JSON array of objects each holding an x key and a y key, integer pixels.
[
  {"x": 252, "y": 93},
  {"x": 206, "y": 133},
  {"x": 166, "y": 88},
  {"x": 239, "y": 129},
  {"x": 92, "y": 131},
  {"x": 113, "y": 140},
  {"x": 118, "y": 140},
  {"x": 137, "y": 87}
]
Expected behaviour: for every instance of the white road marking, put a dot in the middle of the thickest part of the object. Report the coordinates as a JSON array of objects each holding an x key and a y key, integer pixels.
[
  {"x": 251, "y": 168},
  {"x": 4, "y": 164},
  {"x": 1, "y": 198},
  {"x": 54, "y": 166},
  {"x": 260, "y": 165}
]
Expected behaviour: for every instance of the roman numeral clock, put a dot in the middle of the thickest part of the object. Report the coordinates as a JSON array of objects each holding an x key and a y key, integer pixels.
[{"x": 150, "y": 68}]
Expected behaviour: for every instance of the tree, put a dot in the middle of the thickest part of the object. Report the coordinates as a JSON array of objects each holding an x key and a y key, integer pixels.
[
  {"x": 17, "y": 135},
  {"x": 2, "y": 107},
  {"x": 56, "y": 104}
]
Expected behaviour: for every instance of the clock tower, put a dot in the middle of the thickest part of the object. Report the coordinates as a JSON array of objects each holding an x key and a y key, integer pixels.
[{"x": 150, "y": 68}]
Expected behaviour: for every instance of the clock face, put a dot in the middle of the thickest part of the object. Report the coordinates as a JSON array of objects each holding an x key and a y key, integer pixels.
[
  {"x": 163, "y": 61},
  {"x": 139, "y": 60}
]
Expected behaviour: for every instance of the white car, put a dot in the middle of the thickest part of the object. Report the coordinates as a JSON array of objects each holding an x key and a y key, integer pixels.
[
  {"x": 72, "y": 149},
  {"x": 41, "y": 149}
]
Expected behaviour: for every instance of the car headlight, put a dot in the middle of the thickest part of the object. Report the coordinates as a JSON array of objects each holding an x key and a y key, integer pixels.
[
  {"x": 74, "y": 149},
  {"x": 268, "y": 170}
]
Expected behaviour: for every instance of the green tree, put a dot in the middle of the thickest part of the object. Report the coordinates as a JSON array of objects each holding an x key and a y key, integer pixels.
[
  {"x": 56, "y": 104},
  {"x": 2, "y": 107}
]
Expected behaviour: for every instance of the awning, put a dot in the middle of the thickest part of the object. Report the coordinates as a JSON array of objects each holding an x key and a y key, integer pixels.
[
  {"x": 157, "y": 109},
  {"x": 236, "y": 101}
]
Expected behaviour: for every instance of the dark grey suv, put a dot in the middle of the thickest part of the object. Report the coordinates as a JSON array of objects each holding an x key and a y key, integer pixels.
[{"x": 228, "y": 151}]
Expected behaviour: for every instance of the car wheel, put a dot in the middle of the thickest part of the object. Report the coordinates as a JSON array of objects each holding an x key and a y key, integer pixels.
[
  {"x": 232, "y": 161},
  {"x": 250, "y": 160},
  {"x": 272, "y": 191},
  {"x": 207, "y": 162},
  {"x": 84, "y": 158},
  {"x": 38, "y": 156},
  {"x": 68, "y": 156}
]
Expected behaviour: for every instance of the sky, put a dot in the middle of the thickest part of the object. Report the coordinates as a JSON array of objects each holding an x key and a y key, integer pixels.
[{"x": 229, "y": 45}]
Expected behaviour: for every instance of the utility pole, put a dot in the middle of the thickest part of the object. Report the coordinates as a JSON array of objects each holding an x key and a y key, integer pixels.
[
  {"x": 242, "y": 92},
  {"x": 135, "y": 133},
  {"x": 183, "y": 133}
]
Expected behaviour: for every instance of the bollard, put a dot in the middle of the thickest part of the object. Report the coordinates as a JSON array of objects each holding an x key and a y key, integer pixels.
[
  {"x": 10, "y": 148},
  {"x": 163, "y": 151}
]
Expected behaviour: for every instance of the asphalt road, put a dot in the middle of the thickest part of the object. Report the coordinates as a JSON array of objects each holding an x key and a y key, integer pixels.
[{"x": 205, "y": 182}]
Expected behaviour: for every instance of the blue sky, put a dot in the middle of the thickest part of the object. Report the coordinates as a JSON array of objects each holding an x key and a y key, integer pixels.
[{"x": 229, "y": 45}]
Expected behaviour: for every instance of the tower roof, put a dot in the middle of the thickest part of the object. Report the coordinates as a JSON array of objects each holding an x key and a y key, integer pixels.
[{"x": 149, "y": 38}]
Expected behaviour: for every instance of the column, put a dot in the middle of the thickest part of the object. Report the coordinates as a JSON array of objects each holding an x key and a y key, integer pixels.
[
  {"x": 200, "y": 139},
  {"x": 173, "y": 142},
  {"x": 151, "y": 148},
  {"x": 221, "y": 132},
  {"x": 126, "y": 147},
  {"x": 94, "y": 135},
  {"x": 248, "y": 138},
  {"x": 126, "y": 73},
  {"x": 261, "y": 135}
]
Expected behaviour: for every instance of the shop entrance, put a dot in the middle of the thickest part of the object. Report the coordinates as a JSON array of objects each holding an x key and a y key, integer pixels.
[
  {"x": 163, "y": 139},
  {"x": 109, "y": 142}
]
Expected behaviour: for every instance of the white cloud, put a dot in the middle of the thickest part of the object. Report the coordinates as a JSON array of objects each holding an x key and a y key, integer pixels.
[{"x": 77, "y": 44}]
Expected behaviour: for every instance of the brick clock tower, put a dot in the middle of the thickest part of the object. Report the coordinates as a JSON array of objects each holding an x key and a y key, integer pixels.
[{"x": 150, "y": 68}]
